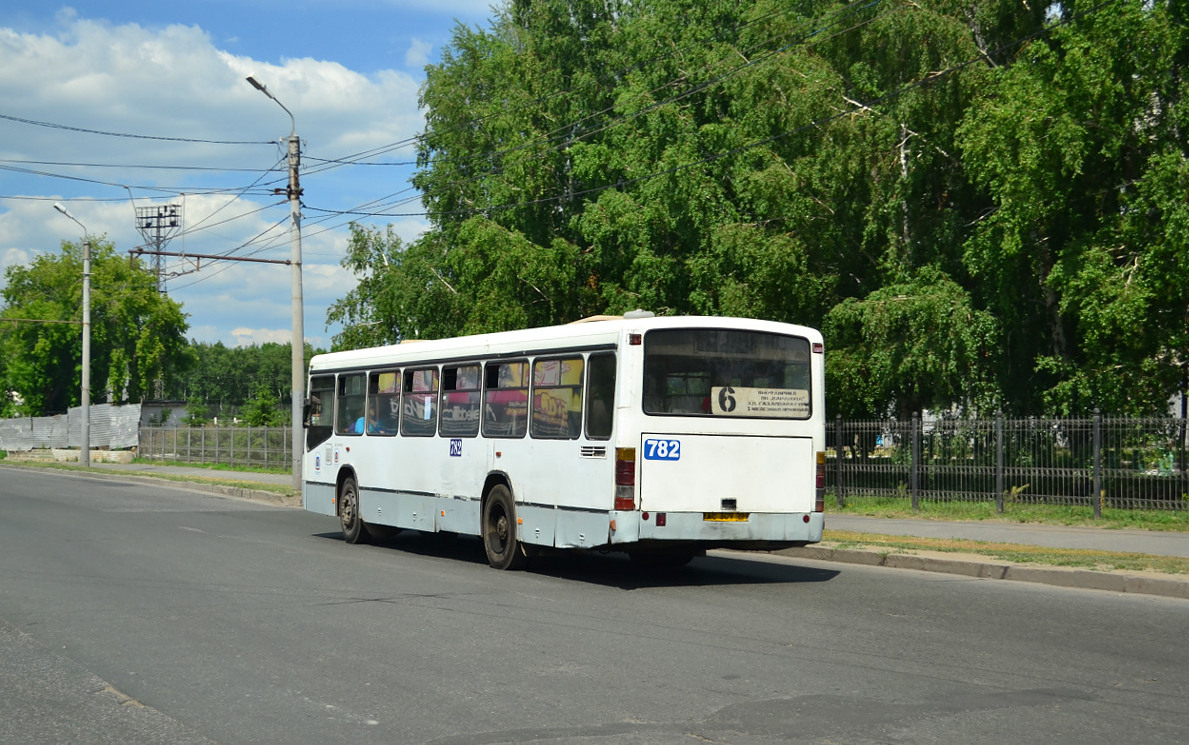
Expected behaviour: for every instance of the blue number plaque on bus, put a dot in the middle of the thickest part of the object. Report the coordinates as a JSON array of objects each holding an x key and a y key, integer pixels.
[
  {"x": 662, "y": 450},
  {"x": 455, "y": 448}
]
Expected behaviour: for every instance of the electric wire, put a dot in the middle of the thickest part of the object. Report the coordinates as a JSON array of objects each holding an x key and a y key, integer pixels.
[{"x": 84, "y": 130}]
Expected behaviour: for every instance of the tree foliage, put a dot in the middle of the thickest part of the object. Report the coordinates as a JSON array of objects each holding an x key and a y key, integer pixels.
[
  {"x": 137, "y": 334},
  {"x": 982, "y": 202},
  {"x": 221, "y": 380}
]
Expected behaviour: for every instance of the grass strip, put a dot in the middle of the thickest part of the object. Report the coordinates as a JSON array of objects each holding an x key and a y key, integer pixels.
[
  {"x": 1014, "y": 512},
  {"x": 1010, "y": 552}
]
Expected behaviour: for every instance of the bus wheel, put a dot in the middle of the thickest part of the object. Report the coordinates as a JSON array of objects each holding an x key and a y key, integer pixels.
[
  {"x": 354, "y": 531},
  {"x": 499, "y": 530}
]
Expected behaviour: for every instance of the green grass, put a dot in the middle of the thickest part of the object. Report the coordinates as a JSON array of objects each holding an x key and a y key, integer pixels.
[
  {"x": 209, "y": 466},
  {"x": 1010, "y": 552},
  {"x": 1014, "y": 512}
]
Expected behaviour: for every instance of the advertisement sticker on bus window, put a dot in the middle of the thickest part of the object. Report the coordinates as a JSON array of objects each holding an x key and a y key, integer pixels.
[
  {"x": 759, "y": 402},
  {"x": 663, "y": 449},
  {"x": 386, "y": 383}
]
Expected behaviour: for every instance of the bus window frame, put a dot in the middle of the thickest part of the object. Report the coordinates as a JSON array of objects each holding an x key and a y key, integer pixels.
[
  {"x": 320, "y": 407},
  {"x": 688, "y": 373},
  {"x": 588, "y": 399},
  {"x": 341, "y": 398},
  {"x": 573, "y": 429},
  {"x": 477, "y": 390},
  {"x": 407, "y": 392},
  {"x": 521, "y": 431},
  {"x": 374, "y": 397}
]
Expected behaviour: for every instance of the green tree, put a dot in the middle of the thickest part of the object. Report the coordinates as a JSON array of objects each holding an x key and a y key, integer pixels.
[
  {"x": 823, "y": 163},
  {"x": 224, "y": 378},
  {"x": 1080, "y": 146},
  {"x": 137, "y": 334},
  {"x": 263, "y": 409}
]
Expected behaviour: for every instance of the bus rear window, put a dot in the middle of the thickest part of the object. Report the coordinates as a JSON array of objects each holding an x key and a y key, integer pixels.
[{"x": 726, "y": 373}]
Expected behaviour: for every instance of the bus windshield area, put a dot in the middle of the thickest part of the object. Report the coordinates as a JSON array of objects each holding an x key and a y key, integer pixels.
[{"x": 726, "y": 373}]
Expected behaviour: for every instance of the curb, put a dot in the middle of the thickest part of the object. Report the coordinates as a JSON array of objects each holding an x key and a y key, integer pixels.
[
  {"x": 1056, "y": 576},
  {"x": 226, "y": 490}
]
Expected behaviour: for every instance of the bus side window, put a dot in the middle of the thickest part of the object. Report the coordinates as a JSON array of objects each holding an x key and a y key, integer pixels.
[
  {"x": 383, "y": 403},
  {"x": 600, "y": 396},
  {"x": 419, "y": 403},
  {"x": 505, "y": 399},
  {"x": 321, "y": 410},
  {"x": 349, "y": 405},
  {"x": 461, "y": 402},
  {"x": 557, "y": 398}
]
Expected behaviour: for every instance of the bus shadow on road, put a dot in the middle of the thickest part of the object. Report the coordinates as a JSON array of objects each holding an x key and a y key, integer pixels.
[
  {"x": 613, "y": 569},
  {"x": 617, "y": 570}
]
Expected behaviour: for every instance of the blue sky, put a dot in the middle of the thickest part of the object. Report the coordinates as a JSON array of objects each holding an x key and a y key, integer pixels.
[{"x": 348, "y": 70}]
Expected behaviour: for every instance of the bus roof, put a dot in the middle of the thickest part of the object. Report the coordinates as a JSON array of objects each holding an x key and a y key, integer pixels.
[{"x": 544, "y": 339}]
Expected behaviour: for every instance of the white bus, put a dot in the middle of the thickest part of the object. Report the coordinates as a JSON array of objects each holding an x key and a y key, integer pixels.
[{"x": 658, "y": 436}]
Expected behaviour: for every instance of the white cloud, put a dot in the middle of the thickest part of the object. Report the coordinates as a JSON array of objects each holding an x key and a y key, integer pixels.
[
  {"x": 418, "y": 53},
  {"x": 174, "y": 82},
  {"x": 246, "y": 337}
]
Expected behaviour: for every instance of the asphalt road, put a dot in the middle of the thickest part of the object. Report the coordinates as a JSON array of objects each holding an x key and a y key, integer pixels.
[{"x": 138, "y": 613}]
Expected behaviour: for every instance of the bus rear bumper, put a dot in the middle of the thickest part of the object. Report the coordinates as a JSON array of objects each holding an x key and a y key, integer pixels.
[{"x": 756, "y": 530}]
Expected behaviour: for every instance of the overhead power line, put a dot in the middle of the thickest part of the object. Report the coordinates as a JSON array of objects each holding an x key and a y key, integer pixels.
[{"x": 67, "y": 127}]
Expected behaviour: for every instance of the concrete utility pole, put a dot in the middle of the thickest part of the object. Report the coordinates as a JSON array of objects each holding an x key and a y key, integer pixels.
[
  {"x": 298, "y": 360},
  {"x": 84, "y": 453}
]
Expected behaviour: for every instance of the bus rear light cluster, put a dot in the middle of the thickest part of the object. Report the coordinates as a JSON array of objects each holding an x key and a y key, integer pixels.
[{"x": 625, "y": 478}]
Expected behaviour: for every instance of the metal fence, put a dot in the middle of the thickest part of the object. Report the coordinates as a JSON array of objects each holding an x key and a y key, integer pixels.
[
  {"x": 267, "y": 447},
  {"x": 1098, "y": 461}
]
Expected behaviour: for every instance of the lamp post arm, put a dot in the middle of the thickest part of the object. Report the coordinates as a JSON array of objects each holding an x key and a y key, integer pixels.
[{"x": 264, "y": 89}]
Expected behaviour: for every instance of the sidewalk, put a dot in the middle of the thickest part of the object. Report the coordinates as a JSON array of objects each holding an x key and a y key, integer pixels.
[{"x": 1052, "y": 536}]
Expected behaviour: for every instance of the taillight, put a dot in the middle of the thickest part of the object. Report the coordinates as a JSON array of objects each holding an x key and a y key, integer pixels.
[
  {"x": 819, "y": 502},
  {"x": 625, "y": 478}
]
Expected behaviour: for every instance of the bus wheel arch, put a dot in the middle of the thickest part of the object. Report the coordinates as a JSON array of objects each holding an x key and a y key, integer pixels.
[
  {"x": 347, "y": 507},
  {"x": 501, "y": 540}
]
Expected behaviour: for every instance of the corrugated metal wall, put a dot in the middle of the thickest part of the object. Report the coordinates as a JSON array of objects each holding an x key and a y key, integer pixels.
[{"x": 112, "y": 427}]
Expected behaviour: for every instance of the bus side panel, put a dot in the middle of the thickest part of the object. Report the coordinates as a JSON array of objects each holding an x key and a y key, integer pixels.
[
  {"x": 416, "y": 512},
  {"x": 537, "y": 524},
  {"x": 716, "y": 473},
  {"x": 458, "y": 515},
  {"x": 566, "y": 473},
  {"x": 318, "y": 498},
  {"x": 582, "y": 529}
]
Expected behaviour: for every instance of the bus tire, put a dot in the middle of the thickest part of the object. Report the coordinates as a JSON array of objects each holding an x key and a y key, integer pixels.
[
  {"x": 354, "y": 531},
  {"x": 500, "y": 541}
]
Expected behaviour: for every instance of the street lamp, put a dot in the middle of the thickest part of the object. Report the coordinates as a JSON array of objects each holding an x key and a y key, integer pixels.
[
  {"x": 298, "y": 357},
  {"x": 84, "y": 456}
]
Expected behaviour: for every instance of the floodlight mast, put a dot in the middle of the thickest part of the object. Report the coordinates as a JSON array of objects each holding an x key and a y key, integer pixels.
[{"x": 84, "y": 453}]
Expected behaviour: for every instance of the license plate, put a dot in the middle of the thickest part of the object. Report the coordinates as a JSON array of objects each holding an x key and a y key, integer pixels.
[{"x": 725, "y": 517}]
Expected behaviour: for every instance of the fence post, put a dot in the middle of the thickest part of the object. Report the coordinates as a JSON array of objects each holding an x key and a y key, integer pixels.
[
  {"x": 914, "y": 470},
  {"x": 1097, "y": 463},
  {"x": 999, "y": 486},
  {"x": 838, "y": 496}
]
